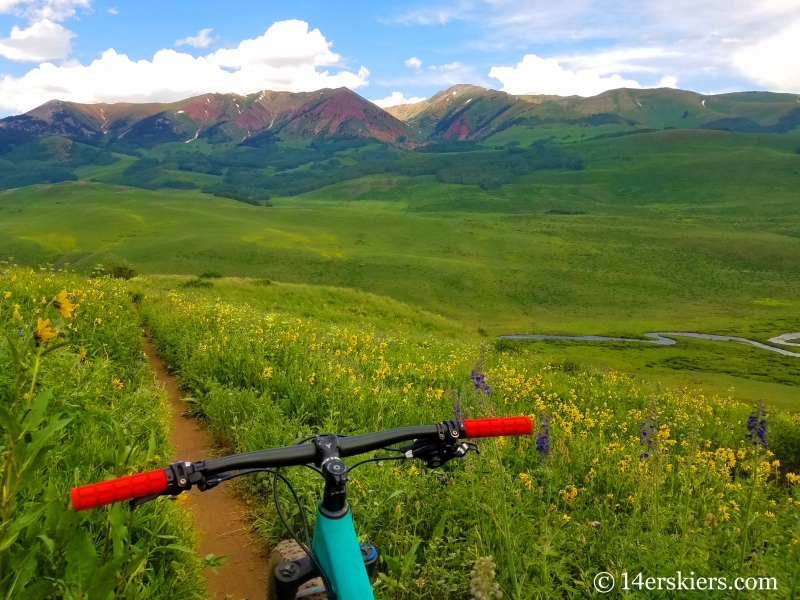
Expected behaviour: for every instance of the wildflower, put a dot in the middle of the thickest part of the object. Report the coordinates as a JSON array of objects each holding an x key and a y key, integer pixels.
[
  {"x": 64, "y": 304},
  {"x": 569, "y": 493},
  {"x": 456, "y": 406},
  {"x": 768, "y": 514},
  {"x": 17, "y": 314},
  {"x": 98, "y": 321},
  {"x": 43, "y": 333},
  {"x": 118, "y": 385},
  {"x": 479, "y": 379},
  {"x": 757, "y": 426},
  {"x": 267, "y": 372},
  {"x": 527, "y": 480},
  {"x": 567, "y": 518},
  {"x": 482, "y": 583},
  {"x": 7, "y": 295},
  {"x": 543, "y": 438},
  {"x": 81, "y": 353},
  {"x": 312, "y": 378},
  {"x": 647, "y": 429}
]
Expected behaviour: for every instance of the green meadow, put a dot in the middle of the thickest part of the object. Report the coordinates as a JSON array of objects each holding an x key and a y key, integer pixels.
[{"x": 677, "y": 230}]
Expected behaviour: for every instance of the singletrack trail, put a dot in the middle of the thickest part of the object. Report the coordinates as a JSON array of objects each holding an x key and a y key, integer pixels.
[{"x": 218, "y": 514}]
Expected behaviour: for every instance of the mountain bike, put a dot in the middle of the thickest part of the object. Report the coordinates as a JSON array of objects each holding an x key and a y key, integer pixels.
[{"x": 333, "y": 556}]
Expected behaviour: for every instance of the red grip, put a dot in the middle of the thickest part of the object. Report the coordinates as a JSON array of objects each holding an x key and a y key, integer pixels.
[
  {"x": 118, "y": 490},
  {"x": 477, "y": 428}
]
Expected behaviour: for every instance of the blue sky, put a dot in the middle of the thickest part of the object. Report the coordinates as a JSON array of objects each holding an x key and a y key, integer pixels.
[{"x": 389, "y": 51}]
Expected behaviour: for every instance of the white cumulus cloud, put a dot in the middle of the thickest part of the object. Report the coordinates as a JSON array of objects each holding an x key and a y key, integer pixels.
[
  {"x": 201, "y": 40},
  {"x": 668, "y": 82},
  {"x": 285, "y": 44},
  {"x": 774, "y": 61},
  {"x": 173, "y": 75},
  {"x": 414, "y": 62},
  {"x": 43, "y": 40},
  {"x": 535, "y": 75},
  {"x": 55, "y": 10},
  {"x": 396, "y": 98}
]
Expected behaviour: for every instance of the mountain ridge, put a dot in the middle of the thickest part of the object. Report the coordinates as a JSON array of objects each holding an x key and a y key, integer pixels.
[
  {"x": 461, "y": 112},
  {"x": 221, "y": 118}
]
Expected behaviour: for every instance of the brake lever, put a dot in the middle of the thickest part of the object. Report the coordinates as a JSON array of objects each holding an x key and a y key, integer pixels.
[
  {"x": 435, "y": 453},
  {"x": 142, "y": 499},
  {"x": 182, "y": 476}
]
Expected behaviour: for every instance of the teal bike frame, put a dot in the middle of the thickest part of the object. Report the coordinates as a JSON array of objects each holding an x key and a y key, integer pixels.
[{"x": 336, "y": 548}]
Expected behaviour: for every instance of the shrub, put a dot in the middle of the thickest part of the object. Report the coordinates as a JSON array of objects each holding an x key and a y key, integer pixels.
[
  {"x": 122, "y": 271},
  {"x": 211, "y": 275},
  {"x": 197, "y": 283}
]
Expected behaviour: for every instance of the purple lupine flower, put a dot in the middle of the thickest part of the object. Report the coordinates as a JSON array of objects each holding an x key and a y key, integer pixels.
[
  {"x": 543, "y": 437},
  {"x": 457, "y": 410},
  {"x": 757, "y": 426},
  {"x": 479, "y": 379},
  {"x": 647, "y": 430},
  {"x": 646, "y": 436}
]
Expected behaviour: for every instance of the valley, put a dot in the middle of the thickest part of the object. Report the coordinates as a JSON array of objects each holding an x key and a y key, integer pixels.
[
  {"x": 310, "y": 262},
  {"x": 553, "y": 216}
]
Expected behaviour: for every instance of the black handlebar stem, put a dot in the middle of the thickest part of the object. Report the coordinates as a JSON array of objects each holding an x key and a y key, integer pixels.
[{"x": 334, "y": 499}]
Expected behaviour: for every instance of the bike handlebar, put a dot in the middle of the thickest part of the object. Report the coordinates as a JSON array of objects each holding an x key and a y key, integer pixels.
[{"x": 159, "y": 481}]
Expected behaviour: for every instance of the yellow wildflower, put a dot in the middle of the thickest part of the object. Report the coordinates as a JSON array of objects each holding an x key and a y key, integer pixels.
[
  {"x": 768, "y": 514},
  {"x": 17, "y": 315},
  {"x": 117, "y": 383},
  {"x": 569, "y": 493},
  {"x": 63, "y": 304},
  {"x": 527, "y": 480},
  {"x": 267, "y": 372},
  {"x": 43, "y": 333},
  {"x": 7, "y": 295}
]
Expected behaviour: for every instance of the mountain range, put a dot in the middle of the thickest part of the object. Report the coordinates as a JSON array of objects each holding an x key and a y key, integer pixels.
[{"x": 461, "y": 112}]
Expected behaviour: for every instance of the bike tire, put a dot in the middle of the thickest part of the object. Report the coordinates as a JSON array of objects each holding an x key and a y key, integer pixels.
[{"x": 291, "y": 550}]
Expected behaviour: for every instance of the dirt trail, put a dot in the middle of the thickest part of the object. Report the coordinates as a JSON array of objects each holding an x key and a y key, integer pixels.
[{"x": 217, "y": 514}]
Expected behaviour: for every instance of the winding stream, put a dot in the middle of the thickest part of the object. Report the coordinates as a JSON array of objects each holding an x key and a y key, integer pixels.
[{"x": 662, "y": 338}]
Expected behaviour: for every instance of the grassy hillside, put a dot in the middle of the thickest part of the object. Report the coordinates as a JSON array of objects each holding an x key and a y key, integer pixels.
[{"x": 589, "y": 493}]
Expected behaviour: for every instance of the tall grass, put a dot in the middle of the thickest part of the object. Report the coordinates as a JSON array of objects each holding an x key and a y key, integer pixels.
[
  {"x": 78, "y": 403},
  {"x": 619, "y": 478}
]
